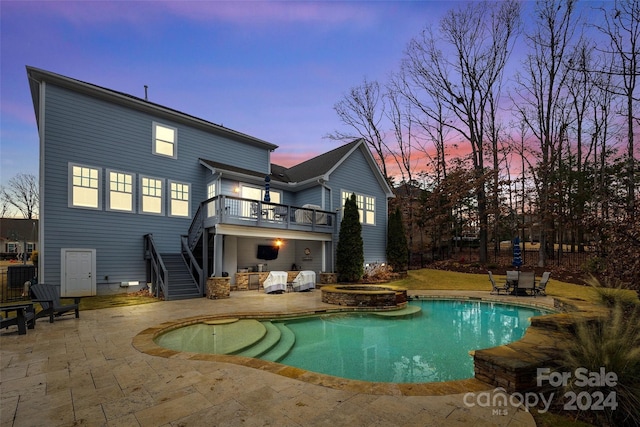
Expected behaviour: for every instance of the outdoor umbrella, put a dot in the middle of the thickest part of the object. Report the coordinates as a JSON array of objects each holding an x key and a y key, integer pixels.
[
  {"x": 517, "y": 255},
  {"x": 267, "y": 196}
]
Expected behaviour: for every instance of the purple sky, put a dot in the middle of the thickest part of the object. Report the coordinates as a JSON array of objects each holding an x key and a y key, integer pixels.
[{"x": 273, "y": 70}]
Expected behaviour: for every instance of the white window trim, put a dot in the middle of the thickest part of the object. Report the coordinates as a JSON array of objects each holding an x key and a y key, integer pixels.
[
  {"x": 175, "y": 143},
  {"x": 108, "y": 191},
  {"x": 163, "y": 202},
  {"x": 364, "y": 206},
  {"x": 170, "y": 199},
  {"x": 70, "y": 187}
]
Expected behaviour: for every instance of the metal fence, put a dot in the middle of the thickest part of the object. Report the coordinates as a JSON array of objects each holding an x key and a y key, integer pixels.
[
  {"x": 15, "y": 281},
  {"x": 530, "y": 258}
]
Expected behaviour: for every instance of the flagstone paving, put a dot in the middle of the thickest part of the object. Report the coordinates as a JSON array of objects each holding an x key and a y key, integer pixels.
[{"x": 86, "y": 371}]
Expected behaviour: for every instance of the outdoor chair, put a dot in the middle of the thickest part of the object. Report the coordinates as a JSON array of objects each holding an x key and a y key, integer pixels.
[
  {"x": 280, "y": 212},
  {"x": 512, "y": 278},
  {"x": 24, "y": 318},
  {"x": 541, "y": 288},
  {"x": 527, "y": 282},
  {"x": 495, "y": 287},
  {"x": 49, "y": 298}
]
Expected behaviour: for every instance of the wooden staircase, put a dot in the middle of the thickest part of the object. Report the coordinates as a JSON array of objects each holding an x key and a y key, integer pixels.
[{"x": 181, "y": 283}]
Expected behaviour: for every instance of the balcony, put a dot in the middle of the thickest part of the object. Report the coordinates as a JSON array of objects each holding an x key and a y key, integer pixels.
[{"x": 253, "y": 213}]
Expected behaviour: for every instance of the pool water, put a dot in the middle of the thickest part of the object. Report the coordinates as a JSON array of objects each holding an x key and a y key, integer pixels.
[{"x": 430, "y": 346}]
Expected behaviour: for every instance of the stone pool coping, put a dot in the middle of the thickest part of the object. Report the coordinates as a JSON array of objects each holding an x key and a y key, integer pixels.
[{"x": 510, "y": 354}]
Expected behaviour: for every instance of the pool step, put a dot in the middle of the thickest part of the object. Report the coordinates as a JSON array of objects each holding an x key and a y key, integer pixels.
[
  {"x": 282, "y": 348},
  {"x": 269, "y": 340}
]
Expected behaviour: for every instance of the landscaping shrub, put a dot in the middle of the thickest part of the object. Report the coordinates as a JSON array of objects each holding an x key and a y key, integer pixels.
[
  {"x": 350, "y": 248},
  {"x": 397, "y": 249},
  {"x": 613, "y": 343}
]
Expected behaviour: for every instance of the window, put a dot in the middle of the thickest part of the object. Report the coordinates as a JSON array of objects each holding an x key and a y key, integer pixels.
[
  {"x": 84, "y": 187},
  {"x": 211, "y": 190},
  {"x": 179, "y": 202},
  {"x": 257, "y": 193},
  {"x": 366, "y": 206},
  {"x": 120, "y": 194},
  {"x": 211, "y": 206},
  {"x": 165, "y": 141},
  {"x": 151, "y": 201}
]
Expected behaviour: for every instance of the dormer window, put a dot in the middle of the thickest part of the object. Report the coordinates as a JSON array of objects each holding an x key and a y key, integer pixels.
[{"x": 165, "y": 141}]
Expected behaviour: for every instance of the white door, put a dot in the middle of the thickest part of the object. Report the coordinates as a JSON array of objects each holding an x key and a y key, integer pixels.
[{"x": 78, "y": 273}]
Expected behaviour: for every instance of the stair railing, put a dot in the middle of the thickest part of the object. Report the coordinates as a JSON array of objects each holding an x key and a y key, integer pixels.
[
  {"x": 197, "y": 226},
  {"x": 192, "y": 264},
  {"x": 159, "y": 274}
]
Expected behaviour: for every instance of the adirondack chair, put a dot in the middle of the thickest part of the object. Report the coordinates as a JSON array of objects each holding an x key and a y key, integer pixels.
[
  {"x": 49, "y": 298},
  {"x": 24, "y": 318}
]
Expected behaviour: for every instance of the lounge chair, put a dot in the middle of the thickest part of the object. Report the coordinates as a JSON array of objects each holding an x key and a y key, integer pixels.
[
  {"x": 527, "y": 282},
  {"x": 541, "y": 288},
  {"x": 49, "y": 298},
  {"x": 495, "y": 287}
]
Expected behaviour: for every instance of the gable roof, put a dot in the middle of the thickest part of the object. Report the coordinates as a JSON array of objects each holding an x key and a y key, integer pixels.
[
  {"x": 309, "y": 172},
  {"x": 321, "y": 165},
  {"x": 37, "y": 76}
]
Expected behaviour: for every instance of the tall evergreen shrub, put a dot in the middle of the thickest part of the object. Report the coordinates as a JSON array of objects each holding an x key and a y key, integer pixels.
[
  {"x": 350, "y": 250},
  {"x": 397, "y": 249}
]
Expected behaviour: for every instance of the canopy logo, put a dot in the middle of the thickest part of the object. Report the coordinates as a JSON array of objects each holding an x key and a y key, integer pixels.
[{"x": 597, "y": 396}]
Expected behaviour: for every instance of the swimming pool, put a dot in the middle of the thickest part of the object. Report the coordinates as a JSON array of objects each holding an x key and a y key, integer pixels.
[{"x": 432, "y": 345}]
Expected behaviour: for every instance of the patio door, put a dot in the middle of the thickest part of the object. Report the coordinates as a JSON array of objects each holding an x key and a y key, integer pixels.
[{"x": 78, "y": 273}]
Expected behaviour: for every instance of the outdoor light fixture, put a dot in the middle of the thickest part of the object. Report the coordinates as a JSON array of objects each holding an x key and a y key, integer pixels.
[{"x": 278, "y": 242}]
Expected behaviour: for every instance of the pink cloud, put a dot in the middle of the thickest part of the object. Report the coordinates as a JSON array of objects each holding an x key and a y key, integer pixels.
[{"x": 20, "y": 112}]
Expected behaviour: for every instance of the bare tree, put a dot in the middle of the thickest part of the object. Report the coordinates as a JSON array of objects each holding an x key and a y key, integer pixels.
[
  {"x": 363, "y": 109},
  {"x": 22, "y": 193},
  {"x": 462, "y": 68},
  {"x": 622, "y": 28},
  {"x": 542, "y": 101}
]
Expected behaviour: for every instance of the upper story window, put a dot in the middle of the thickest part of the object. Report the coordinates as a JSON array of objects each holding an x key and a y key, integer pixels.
[
  {"x": 366, "y": 206},
  {"x": 151, "y": 201},
  {"x": 179, "y": 202},
  {"x": 84, "y": 187},
  {"x": 211, "y": 190},
  {"x": 165, "y": 140},
  {"x": 121, "y": 191}
]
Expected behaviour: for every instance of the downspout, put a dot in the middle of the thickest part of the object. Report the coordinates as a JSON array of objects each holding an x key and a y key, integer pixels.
[
  {"x": 41, "y": 204},
  {"x": 322, "y": 183}
]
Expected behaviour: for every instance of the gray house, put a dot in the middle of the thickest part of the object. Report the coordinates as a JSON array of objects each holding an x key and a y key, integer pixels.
[{"x": 133, "y": 193}]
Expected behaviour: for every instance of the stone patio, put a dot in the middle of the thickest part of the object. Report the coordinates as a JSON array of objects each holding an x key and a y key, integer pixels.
[{"x": 87, "y": 372}]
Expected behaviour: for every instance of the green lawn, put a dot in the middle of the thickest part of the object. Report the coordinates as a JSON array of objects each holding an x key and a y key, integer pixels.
[{"x": 427, "y": 279}]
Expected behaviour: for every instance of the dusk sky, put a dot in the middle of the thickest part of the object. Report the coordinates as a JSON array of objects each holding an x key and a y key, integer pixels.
[{"x": 270, "y": 69}]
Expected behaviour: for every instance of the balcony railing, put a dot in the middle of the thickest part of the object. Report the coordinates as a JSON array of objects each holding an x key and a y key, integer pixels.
[
  {"x": 253, "y": 213},
  {"x": 239, "y": 211}
]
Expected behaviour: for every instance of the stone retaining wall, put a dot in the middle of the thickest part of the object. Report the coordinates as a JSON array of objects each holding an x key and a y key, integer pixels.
[{"x": 218, "y": 287}]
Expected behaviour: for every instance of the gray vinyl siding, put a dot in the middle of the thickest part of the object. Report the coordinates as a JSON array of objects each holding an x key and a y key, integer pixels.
[
  {"x": 94, "y": 133},
  {"x": 311, "y": 196},
  {"x": 354, "y": 174}
]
